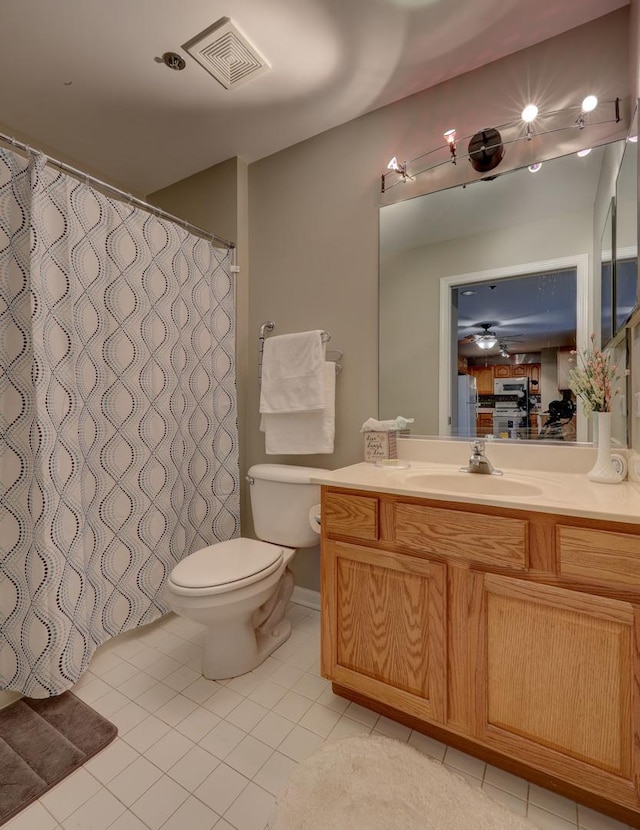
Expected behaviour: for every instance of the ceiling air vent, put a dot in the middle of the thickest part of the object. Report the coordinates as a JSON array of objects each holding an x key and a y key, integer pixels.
[{"x": 226, "y": 54}]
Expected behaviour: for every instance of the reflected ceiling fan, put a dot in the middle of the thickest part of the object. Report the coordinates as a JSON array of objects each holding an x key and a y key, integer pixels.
[{"x": 487, "y": 339}]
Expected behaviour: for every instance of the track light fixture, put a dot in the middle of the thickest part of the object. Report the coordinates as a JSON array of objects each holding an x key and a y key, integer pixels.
[
  {"x": 450, "y": 138},
  {"x": 492, "y": 142}
]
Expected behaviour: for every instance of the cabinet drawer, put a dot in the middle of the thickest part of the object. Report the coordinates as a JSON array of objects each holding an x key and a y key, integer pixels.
[
  {"x": 599, "y": 555},
  {"x": 472, "y": 537},
  {"x": 353, "y": 516}
]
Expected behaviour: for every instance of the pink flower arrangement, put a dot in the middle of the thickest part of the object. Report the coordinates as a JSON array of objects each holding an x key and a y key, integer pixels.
[{"x": 593, "y": 379}]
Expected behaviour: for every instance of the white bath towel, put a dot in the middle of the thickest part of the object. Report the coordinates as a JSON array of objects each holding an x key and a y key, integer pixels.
[
  {"x": 292, "y": 373},
  {"x": 304, "y": 433}
]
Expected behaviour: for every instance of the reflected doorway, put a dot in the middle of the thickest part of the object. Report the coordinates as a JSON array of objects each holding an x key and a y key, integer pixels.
[{"x": 511, "y": 338}]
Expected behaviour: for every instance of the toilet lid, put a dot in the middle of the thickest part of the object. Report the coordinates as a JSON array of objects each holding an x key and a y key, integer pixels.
[{"x": 226, "y": 563}]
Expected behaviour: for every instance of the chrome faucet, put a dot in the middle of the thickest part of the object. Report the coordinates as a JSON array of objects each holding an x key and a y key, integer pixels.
[{"x": 479, "y": 463}]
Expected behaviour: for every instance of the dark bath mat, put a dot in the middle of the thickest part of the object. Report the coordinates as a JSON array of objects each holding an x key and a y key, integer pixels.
[{"x": 43, "y": 741}]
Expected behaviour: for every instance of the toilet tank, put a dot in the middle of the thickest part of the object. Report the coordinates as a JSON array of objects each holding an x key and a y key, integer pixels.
[{"x": 281, "y": 498}]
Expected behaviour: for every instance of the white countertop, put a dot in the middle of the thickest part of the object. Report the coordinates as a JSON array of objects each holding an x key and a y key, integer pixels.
[{"x": 570, "y": 494}]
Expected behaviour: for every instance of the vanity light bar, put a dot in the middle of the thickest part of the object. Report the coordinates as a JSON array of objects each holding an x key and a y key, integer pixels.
[{"x": 528, "y": 115}]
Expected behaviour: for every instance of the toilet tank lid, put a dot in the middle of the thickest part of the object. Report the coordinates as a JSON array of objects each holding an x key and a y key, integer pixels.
[{"x": 286, "y": 473}]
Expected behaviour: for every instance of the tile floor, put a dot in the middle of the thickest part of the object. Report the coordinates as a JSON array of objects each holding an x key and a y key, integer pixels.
[{"x": 194, "y": 754}]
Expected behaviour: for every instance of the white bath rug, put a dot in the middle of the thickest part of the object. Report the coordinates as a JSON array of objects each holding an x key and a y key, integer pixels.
[{"x": 376, "y": 783}]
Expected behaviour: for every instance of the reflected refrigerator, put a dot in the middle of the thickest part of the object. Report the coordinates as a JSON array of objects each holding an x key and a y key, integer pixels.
[{"x": 467, "y": 406}]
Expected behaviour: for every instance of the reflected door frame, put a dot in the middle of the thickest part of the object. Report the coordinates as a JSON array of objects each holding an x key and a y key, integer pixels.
[{"x": 584, "y": 323}]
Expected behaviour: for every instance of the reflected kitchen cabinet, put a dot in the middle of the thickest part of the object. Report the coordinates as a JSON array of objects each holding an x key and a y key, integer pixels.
[{"x": 484, "y": 379}]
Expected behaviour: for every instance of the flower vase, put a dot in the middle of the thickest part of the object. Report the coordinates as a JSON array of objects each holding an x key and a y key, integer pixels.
[{"x": 603, "y": 470}]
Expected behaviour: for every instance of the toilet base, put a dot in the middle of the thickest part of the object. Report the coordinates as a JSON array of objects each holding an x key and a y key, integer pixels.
[{"x": 225, "y": 657}]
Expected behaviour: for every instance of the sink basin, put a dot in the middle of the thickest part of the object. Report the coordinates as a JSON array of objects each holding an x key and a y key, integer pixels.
[{"x": 481, "y": 485}]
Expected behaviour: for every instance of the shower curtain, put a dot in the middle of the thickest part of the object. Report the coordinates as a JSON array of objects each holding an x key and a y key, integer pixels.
[{"x": 119, "y": 450}]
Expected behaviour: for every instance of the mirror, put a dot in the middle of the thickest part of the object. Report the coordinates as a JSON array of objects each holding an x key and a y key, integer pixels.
[
  {"x": 546, "y": 225},
  {"x": 606, "y": 277},
  {"x": 626, "y": 239}
]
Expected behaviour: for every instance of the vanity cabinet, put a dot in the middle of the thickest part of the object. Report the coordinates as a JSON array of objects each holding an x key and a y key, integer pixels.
[{"x": 510, "y": 633}]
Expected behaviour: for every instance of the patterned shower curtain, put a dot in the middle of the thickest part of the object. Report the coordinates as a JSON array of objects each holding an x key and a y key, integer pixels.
[{"x": 119, "y": 451}]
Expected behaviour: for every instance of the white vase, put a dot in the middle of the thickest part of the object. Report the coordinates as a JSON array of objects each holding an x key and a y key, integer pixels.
[{"x": 603, "y": 470}]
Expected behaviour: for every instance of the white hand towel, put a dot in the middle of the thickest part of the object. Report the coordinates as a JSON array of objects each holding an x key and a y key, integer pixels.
[
  {"x": 304, "y": 433},
  {"x": 292, "y": 378}
]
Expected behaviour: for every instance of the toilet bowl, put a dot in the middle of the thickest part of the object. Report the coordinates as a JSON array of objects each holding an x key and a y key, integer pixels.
[{"x": 240, "y": 589}]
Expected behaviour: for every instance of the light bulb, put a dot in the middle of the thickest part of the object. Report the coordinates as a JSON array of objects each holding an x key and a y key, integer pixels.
[
  {"x": 450, "y": 136},
  {"x": 633, "y": 139},
  {"x": 582, "y": 153},
  {"x": 533, "y": 168},
  {"x": 393, "y": 165},
  {"x": 589, "y": 103},
  {"x": 529, "y": 113}
]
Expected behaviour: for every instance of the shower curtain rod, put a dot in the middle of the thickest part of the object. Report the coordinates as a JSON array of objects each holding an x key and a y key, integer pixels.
[{"x": 127, "y": 197}]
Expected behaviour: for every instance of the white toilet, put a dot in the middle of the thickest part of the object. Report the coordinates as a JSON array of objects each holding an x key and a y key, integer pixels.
[{"x": 240, "y": 589}]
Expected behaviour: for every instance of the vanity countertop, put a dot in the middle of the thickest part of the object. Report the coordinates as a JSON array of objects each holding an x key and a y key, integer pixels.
[{"x": 570, "y": 494}]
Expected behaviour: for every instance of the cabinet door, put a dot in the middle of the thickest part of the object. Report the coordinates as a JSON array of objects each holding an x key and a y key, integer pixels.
[
  {"x": 555, "y": 681},
  {"x": 521, "y": 371},
  {"x": 534, "y": 375},
  {"x": 502, "y": 371},
  {"x": 484, "y": 377},
  {"x": 383, "y": 627}
]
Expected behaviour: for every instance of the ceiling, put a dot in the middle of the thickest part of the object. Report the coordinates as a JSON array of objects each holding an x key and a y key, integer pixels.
[{"x": 80, "y": 76}]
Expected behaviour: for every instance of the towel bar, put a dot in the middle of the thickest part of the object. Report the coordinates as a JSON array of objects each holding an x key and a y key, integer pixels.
[{"x": 334, "y": 355}]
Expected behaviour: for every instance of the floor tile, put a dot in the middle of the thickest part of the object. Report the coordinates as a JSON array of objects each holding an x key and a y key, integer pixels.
[
  {"x": 507, "y": 782},
  {"x": 181, "y": 678},
  {"x": 392, "y": 729},
  {"x": 176, "y": 710},
  {"x": 159, "y": 802},
  {"x": 292, "y": 706},
  {"x": 347, "y": 727},
  {"x": 590, "y": 820},
  {"x": 35, "y": 817},
  {"x": 98, "y": 813},
  {"x": 548, "y": 821},
  {"x": 192, "y": 815},
  {"x": 168, "y": 750},
  {"x": 361, "y": 714},
  {"x": 272, "y": 729},
  {"x": 319, "y": 719},
  {"x": 120, "y": 673},
  {"x": 222, "y": 739},
  {"x": 163, "y": 667},
  {"x": 128, "y": 717},
  {"x": 220, "y": 789},
  {"x": 552, "y": 802},
  {"x": 267, "y": 694},
  {"x": 428, "y": 746},
  {"x": 247, "y": 714},
  {"x": 248, "y": 756},
  {"x": 244, "y": 684},
  {"x": 511, "y": 802},
  {"x": 155, "y": 697},
  {"x": 109, "y": 704},
  {"x": 193, "y": 768},
  {"x": 137, "y": 685},
  {"x": 107, "y": 764},
  {"x": 128, "y": 821},
  {"x": 300, "y": 743},
  {"x": 462, "y": 762},
  {"x": 198, "y": 724},
  {"x": 286, "y": 676},
  {"x": 275, "y": 773},
  {"x": 145, "y": 734},
  {"x": 70, "y": 794},
  {"x": 252, "y": 809},
  {"x": 223, "y": 702},
  {"x": 201, "y": 689},
  {"x": 135, "y": 780},
  {"x": 310, "y": 686}
]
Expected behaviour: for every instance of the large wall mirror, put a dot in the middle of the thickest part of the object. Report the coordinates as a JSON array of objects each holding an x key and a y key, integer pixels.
[{"x": 486, "y": 290}]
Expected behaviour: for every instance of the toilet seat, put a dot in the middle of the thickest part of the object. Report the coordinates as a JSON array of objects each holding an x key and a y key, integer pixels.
[{"x": 226, "y": 566}]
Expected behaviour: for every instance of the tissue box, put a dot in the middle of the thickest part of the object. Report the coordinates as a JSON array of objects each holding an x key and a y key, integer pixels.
[{"x": 380, "y": 445}]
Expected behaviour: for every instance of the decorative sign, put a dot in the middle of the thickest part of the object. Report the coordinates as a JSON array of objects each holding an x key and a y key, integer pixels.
[{"x": 380, "y": 445}]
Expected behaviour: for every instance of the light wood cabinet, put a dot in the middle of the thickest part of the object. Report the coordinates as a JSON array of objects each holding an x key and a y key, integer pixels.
[
  {"x": 484, "y": 424},
  {"x": 484, "y": 379},
  {"x": 388, "y": 634},
  {"x": 512, "y": 634}
]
